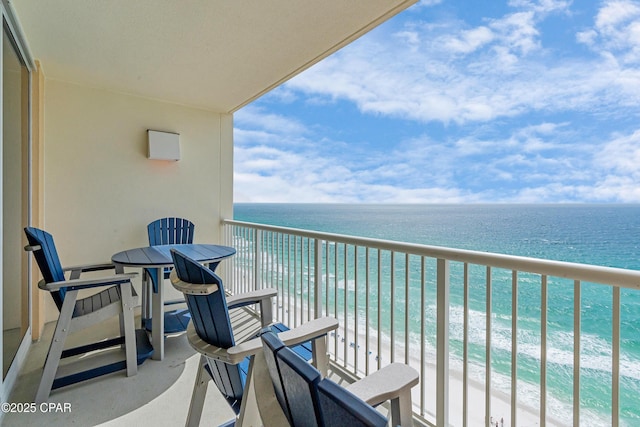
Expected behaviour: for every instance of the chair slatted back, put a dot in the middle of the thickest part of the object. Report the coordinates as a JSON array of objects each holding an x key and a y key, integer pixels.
[
  {"x": 272, "y": 345},
  {"x": 300, "y": 383},
  {"x": 209, "y": 313},
  {"x": 170, "y": 231},
  {"x": 318, "y": 402},
  {"x": 341, "y": 407},
  {"x": 47, "y": 260},
  {"x": 210, "y": 317}
]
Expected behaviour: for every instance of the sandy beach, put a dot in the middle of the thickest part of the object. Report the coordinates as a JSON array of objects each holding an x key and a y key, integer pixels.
[{"x": 500, "y": 414}]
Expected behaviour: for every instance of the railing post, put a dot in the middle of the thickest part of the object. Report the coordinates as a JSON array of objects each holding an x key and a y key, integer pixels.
[
  {"x": 442, "y": 343},
  {"x": 257, "y": 260},
  {"x": 229, "y": 267},
  {"x": 317, "y": 277}
]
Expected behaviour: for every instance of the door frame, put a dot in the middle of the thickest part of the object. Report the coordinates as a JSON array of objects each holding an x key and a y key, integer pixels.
[{"x": 12, "y": 27}]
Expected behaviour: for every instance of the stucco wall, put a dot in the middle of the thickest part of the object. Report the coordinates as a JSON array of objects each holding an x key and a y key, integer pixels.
[{"x": 100, "y": 189}]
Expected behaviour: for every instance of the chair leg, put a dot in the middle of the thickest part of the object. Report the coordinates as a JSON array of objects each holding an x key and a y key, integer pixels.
[
  {"x": 129, "y": 329},
  {"x": 122, "y": 329},
  {"x": 144, "y": 307},
  {"x": 198, "y": 394},
  {"x": 249, "y": 414},
  {"x": 266, "y": 312},
  {"x": 319, "y": 350},
  {"x": 402, "y": 409},
  {"x": 57, "y": 345}
]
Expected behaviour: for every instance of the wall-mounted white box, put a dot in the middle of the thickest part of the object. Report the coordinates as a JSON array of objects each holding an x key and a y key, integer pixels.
[{"x": 163, "y": 145}]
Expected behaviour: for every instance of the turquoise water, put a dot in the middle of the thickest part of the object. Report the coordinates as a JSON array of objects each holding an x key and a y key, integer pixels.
[{"x": 607, "y": 235}]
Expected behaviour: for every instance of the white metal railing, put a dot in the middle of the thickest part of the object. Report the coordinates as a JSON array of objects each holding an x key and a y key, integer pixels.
[{"x": 432, "y": 307}]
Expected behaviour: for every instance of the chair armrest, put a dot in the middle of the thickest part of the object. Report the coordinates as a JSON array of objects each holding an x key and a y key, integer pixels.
[
  {"x": 307, "y": 331},
  {"x": 90, "y": 267},
  {"x": 79, "y": 269},
  {"x": 86, "y": 283},
  {"x": 253, "y": 297},
  {"x": 263, "y": 296},
  {"x": 385, "y": 384},
  {"x": 313, "y": 329},
  {"x": 191, "y": 288},
  {"x": 233, "y": 301}
]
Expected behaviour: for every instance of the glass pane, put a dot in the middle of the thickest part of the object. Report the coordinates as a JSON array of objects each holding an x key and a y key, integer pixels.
[{"x": 15, "y": 296}]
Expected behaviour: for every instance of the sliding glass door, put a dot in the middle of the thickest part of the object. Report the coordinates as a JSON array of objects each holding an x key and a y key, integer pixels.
[{"x": 15, "y": 198}]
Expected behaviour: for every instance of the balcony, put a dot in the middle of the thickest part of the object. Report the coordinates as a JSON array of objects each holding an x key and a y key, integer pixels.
[{"x": 421, "y": 305}]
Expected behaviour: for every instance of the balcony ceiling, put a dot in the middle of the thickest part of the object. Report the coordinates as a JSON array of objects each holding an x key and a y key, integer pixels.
[{"x": 213, "y": 54}]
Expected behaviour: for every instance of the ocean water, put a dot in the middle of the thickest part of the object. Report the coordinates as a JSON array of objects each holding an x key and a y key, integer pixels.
[{"x": 607, "y": 235}]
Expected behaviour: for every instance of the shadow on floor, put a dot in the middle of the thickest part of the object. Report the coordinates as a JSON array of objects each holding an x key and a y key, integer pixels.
[{"x": 158, "y": 395}]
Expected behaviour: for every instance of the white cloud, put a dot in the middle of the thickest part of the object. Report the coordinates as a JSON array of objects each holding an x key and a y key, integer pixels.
[
  {"x": 254, "y": 117},
  {"x": 467, "y": 41},
  {"x": 425, "y": 3},
  {"x": 553, "y": 193},
  {"x": 620, "y": 189},
  {"x": 616, "y": 32},
  {"x": 611, "y": 174},
  {"x": 417, "y": 170},
  {"x": 304, "y": 172},
  {"x": 410, "y": 38},
  {"x": 498, "y": 88},
  {"x": 622, "y": 155},
  {"x": 542, "y": 6},
  {"x": 447, "y": 72},
  {"x": 543, "y": 137},
  {"x": 303, "y": 182},
  {"x": 615, "y": 13},
  {"x": 587, "y": 37},
  {"x": 518, "y": 32}
]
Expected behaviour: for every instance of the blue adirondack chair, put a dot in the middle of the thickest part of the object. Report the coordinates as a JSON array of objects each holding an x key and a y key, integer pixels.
[
  {"x": 166, "y": 231},
  {"x": 308, "y": 399},
  {"x": 118, "y": 299},
  {"x": 226, "y": 357}
]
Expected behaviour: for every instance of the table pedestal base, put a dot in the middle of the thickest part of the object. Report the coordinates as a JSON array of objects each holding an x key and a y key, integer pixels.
[{"x": 175, "y": 321}]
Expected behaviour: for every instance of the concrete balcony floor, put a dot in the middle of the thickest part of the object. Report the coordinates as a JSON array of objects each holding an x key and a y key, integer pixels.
[{"x": 158, "y": 395}]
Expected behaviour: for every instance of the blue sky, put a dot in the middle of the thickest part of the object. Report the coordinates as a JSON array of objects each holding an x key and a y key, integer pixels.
[{"x": 454, "y": 101}]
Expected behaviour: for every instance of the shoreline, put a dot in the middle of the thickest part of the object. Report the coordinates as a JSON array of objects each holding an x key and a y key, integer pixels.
[
  {"x": 500, "y": 401},
  {"x": 558, "y": 414}
]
